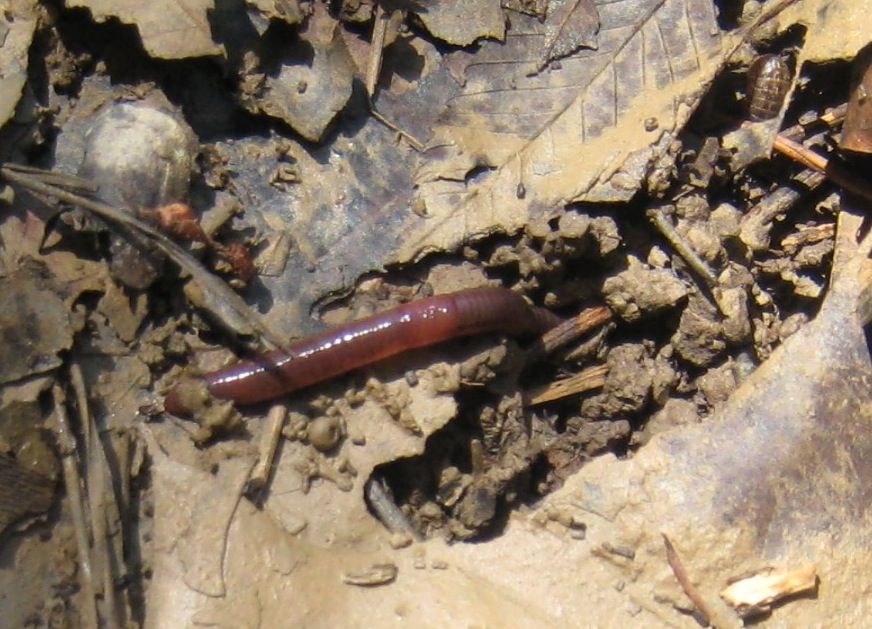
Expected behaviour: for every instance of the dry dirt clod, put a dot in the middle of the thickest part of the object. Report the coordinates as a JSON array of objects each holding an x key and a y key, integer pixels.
[
  {"x": 698, "y": 339},
  {"x": 628, "y": 384},
  {"x": 640, "y": 291},
  {"x": 325, "y": 433}
]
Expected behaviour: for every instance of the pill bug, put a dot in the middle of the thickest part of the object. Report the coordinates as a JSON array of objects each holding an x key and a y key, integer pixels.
[{"x": 768, "y": 81}]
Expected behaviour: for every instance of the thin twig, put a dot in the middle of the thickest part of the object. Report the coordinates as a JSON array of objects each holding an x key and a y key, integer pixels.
[
  {"x": 269, "y": 441},
  {"x": 573, "y": 329},
  {"x": 586, "y": 380},
  {"x": 835, "y": 170},
  {"x": 411, "y": 139},
  {"x": 60, "y": 179},
  {"x": 219, "y": 299},
  {"x": 73, "y": 484},
  {"x": 689, "y": 588},
  {"x": 682, "y": 248}
]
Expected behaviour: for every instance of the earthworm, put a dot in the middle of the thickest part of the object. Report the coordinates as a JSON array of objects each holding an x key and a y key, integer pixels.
[{"x": 363, "y": 342}]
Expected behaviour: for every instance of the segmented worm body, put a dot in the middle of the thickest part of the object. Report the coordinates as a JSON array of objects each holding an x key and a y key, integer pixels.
[{"x": 363, "y": 342}]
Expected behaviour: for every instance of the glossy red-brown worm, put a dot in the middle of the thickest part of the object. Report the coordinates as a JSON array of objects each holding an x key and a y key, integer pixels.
[{"x": 365, "y": 341}]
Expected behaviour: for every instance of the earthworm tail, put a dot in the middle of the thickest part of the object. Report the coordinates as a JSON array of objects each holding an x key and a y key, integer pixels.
[{"x": 410, "y": 326}]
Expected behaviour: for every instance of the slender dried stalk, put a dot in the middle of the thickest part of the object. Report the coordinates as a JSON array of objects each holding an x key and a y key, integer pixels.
[
  {"x": 835, "y": 170},
  {"x": 228, "y": 307},
  {"x": 682, "y": 248},
  {"x": 73, "y": 484}
]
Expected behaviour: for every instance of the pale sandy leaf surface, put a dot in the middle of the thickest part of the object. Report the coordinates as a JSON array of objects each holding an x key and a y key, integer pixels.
[
  {"x": 170, "y": 29},
  {"x": 450, "y": 21}
]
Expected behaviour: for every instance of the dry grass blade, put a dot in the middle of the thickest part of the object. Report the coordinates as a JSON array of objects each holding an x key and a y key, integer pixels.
[
  {"x": 73, "y": 484},
  {"x": 105, "y": 510},
  {"x": 377, "y": 43},
  {"x": 218, "y": 299}
]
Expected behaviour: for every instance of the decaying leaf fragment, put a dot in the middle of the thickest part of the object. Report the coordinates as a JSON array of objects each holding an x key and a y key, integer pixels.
[
  {"x": 22, "y": 491},
  {"x": 461, "y": 23},
  {"x": 757, "y": 593},
  {"x": 28, "y": 464},
  {"x": 571, "y": 24},
  {"x": 170, "y": 29},
  {"x": 857, "y": 128},
  {"x": 308, "y": 91},
  {"x": 285, "y": 10},
  {"x": 34, "y": 325}
]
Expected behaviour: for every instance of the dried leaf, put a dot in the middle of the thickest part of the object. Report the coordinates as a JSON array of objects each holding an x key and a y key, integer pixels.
[
  {"x": 539, "y": 8},
  {"x": 573, "y": 133},
  {"x": 22, "y": 239},
  {"x": 857, "y": 128},
  {"x": 461, "y": 23},
  {"x": 571, "y": 24},
  {"x": 22, "y": 491},
  {"x": 851, "y": 20},
  {"x": 308, "y": 92},
  {"x": 215, "y": 296},
  {"x": 34, "y": 325},
  {"x": 757, "y": 593},
  {"x": 170, "y": 29},
  {"x": 288, "y": 11},
  {"x": 341, "y": 219},
  {"x": 16, "y": 32}
]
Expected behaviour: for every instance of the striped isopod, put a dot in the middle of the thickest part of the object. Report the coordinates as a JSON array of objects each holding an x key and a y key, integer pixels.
[{"x": 768, "y": 81}]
